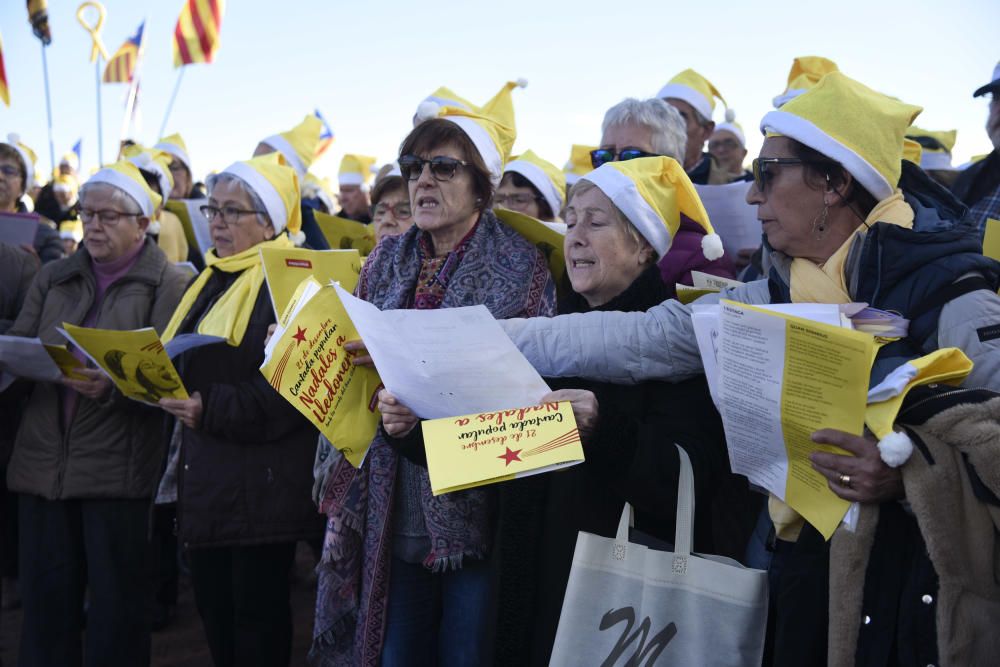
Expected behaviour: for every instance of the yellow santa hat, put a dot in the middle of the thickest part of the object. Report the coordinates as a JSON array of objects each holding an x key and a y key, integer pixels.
[
  {"x": 126, "y": 177},
  {"x": 849, "y": 122},
  {"x": 71, "y": 229},
  {"x": 66, "y": 183},
  {"x": 806, "y": 72},
  {"x": 175, "y": 146},
  {"x": 579, "y": 163},
  {"x": 298, "y": 144},
  {"x": 912, "y": 151},
  {"x": 544, "y": 175},
  {"x": 155, "y": 161},
  {"x": 732, "y": 127},
  {"x": 446, "y": 97},
  {"x": 355, "y": 170},
  {"x": 490, "y": 128},
  {"x": 70, "y": 160},
  {"x": 694, "y": 89},
  {"x": 653, "y": 193},
  {"x": 277, "y": 185},
  {"x": 936, "y": 147},
  {"x": 27, "y": 155}
]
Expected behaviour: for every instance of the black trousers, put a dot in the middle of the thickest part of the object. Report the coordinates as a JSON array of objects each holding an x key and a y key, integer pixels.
[
  {"x": 242, "y": 594},
  {"x": 68, "y": 547}
]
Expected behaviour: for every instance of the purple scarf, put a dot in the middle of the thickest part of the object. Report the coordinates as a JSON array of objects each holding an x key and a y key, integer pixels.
[{"x": 493, "y": 266}]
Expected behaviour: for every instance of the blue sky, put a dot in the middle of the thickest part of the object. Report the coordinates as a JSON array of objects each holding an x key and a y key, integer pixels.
[{"x": 366, "y": 65}]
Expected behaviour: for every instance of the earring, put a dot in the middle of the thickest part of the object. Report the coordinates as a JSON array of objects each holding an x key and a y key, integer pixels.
[{"x": 819, "y": 222}]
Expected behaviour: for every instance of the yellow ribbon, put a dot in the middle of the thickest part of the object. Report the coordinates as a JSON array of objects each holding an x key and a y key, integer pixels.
[{"x": 95, "y": 30}]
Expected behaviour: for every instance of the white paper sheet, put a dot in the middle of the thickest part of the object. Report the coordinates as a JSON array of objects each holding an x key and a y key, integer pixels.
[
  {"x": 447, "y": 362},
  {"x": 732, "y": 217},
  {"x": 26, "y": 358},
  {"x": 199, "y": 224}
]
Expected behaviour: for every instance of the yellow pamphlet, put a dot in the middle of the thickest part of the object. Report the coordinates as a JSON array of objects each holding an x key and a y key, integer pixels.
[
  {"x": 134, "y": 360},
  {"x": 544, "y": 237},
  {"x": 286, "y": 268},
  {"x": 307, "y": 364},
  {"x": 991, "y": 241},
  {"x": 66, "y": 362},
  {"x": 489, "y": 447},
  {"x": 194, "y": 223},
  {"x": 345, "y": 234},
  {"x": 702, "y": 284}
]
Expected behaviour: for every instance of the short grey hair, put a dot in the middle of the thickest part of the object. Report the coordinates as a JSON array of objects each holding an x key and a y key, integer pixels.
[
  {"x": 225, "y": 178},
  {"x": 664, "y": 121},
  {"x": 119, "y": 197}
]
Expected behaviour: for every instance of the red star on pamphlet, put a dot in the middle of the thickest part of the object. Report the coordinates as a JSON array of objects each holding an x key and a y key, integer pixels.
[
  {"x": 509, "y": 456},
  {"x": 300, "y": 335}
]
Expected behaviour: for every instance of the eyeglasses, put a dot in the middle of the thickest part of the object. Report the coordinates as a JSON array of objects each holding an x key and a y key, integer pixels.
[
  {"x": 230, "y": 214},
  {"x": 177, "y": 166},
  {"x": 514, "y": 201},
  {"x": 760, "y": 167},
  {"x": 442, "y": 168},
  {"x": 723, "y": 144},
  {"x": 400, "y": 211},
  {"x": 602, "y": 155},
  {"x": 108, "y": 216},
  {"x": 9, "y": 170}
]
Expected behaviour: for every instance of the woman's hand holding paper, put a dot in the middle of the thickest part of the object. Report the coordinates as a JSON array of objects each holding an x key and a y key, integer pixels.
[
  {"x": 360, "y": 353},
  {"x": 95, "y": 387},
  {"x": 397, "y": 419},
  {"x": 187, "y": 410},
  {"x": 863, "y": 477},
  {"x": 585, "y": 408}
]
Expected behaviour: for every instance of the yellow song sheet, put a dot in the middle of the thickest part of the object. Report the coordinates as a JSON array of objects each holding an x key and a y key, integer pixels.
[
  {"x": 286, "y": 268},
  {"x": 345, "y": 234},
  {"x": 136, "y": 361},
  {"x": 780, "y": 378},
  {"x": 490, "y": 447},
  {"x": 67, "y": 363},
  {"x": 991, "y": 241},
  {"x": 307, "y": 364}
]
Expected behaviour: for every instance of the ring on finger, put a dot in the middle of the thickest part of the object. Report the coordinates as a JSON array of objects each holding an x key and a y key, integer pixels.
[{"x": 845, "y": 481}]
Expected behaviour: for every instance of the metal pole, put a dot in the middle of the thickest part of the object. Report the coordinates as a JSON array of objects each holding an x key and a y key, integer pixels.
[
  {"x": 170, "y": 104},
  {"x": 48, "y": 110},
  {"x": 100, "y": 115}
]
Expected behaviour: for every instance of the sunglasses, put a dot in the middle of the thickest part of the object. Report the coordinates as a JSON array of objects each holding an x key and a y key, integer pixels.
[
  {"x": 442, "y": 168},
  {"x": 602, "y": 155},
  {"x": 760, "y": 168}
]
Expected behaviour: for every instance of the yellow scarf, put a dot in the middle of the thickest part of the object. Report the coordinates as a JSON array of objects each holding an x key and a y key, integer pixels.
[
  {"x": 826, "y": 283},
  {"x": 230, "y": 314}
]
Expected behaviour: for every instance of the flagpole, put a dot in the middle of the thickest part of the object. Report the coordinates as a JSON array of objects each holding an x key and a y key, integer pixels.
[
  {"x": 100, "y": 117},
  {"x": 133, "y": 87},
  {"x": 48, "y": 110},
  {"x": 170, "y": 104}
]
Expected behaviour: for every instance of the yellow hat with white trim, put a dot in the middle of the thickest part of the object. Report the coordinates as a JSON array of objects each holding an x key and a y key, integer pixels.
[
  {"x": 298, "y": 144},
  {"x": 277, "y": 185},
  {"x": 849, "y": 122},
  {"x": 652, "y": 193},
  {"x": 152, "y": 160},
  {"x": 694, "y": 89},
  {"x": 126, "y": 177},
  {"x": 936, "y": 147},
  {"x": 806, "y": 72},
  {"x": 732, "y": 127},
  {"x": 544, "y": 175},
  {"x": 912, "y": 151},
  {"x": 355, "y": 169},
  {"x": 579, "y": 163},
  {"x": 446, "y": 97},
  {"x": 175, "y": 146}
]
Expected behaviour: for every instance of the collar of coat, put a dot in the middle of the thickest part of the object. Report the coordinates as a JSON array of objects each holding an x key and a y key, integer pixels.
[{"x": 148, "y": 268}]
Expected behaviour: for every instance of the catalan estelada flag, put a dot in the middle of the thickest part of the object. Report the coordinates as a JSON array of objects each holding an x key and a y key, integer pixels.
[
  {"x": 325, "y": 134},
  {"x": 196, "y": 36},
  {"x": 121, "y": 67},
  {"x": 4, "y": 90}
]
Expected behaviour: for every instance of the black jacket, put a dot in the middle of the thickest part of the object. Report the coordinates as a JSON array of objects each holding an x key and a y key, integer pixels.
[
  {"x": 245, "y": 475},
  {"x": 978, "y": 180}
]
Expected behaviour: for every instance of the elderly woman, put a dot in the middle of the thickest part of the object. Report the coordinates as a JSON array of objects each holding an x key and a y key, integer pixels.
[
  {"x": 611, "y": 250},
  {"x": 245, "y": 454},
  {"x": 838, "y": 228},
  {"x": 644, "y": 128},
  {"x": 16, "y": 175},
  {"x": 86, "y": 461},
  {"x": 532, "y": 186},
  {"x": 391, "y": 212},
  {"x": 392, "y": 548}
]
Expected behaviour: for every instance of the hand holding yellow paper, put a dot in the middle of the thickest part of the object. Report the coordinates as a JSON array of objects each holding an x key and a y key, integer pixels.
[
  {"x": 307, "y": 364},
  {"x": 134, "y": 360},
  {"x": 345, "y": 234},
  {"x": 286, "y": 268},
  {"x": 67, "y": 363},
  {"x": 489, "y": 447}
]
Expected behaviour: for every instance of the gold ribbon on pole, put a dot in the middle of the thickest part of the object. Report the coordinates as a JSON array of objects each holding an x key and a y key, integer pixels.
[{"x": 94, "y": 30}]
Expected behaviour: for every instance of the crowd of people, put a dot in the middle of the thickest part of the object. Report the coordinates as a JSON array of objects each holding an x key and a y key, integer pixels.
[{"x": 105, "y": 496}]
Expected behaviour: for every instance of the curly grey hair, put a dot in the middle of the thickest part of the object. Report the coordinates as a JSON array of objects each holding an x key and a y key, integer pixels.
[{"x": 665, "y": 122}]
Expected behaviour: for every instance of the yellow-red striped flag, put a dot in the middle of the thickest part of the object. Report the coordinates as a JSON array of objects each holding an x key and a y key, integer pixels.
[
  {"x": 121, "y": 67},
  {"x": 4, "y": 90},
  {"x": 196, "y": 36}
]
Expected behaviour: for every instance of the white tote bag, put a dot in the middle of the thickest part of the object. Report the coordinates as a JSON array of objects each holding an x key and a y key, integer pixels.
[{"x": 632, "y": 606}]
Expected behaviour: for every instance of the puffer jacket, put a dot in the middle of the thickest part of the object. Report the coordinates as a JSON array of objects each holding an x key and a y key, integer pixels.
[{"x": 114, "y": 448}]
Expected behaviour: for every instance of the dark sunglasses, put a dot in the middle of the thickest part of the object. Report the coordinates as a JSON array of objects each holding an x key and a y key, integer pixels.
[
  {"x": 442, "y": 168},
  {"x": 602, "y": 155},
  {"x": 760, "y": 168}
]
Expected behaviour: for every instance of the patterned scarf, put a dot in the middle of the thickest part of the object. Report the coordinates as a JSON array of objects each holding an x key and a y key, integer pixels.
[{"x": 492, "y": 266}]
